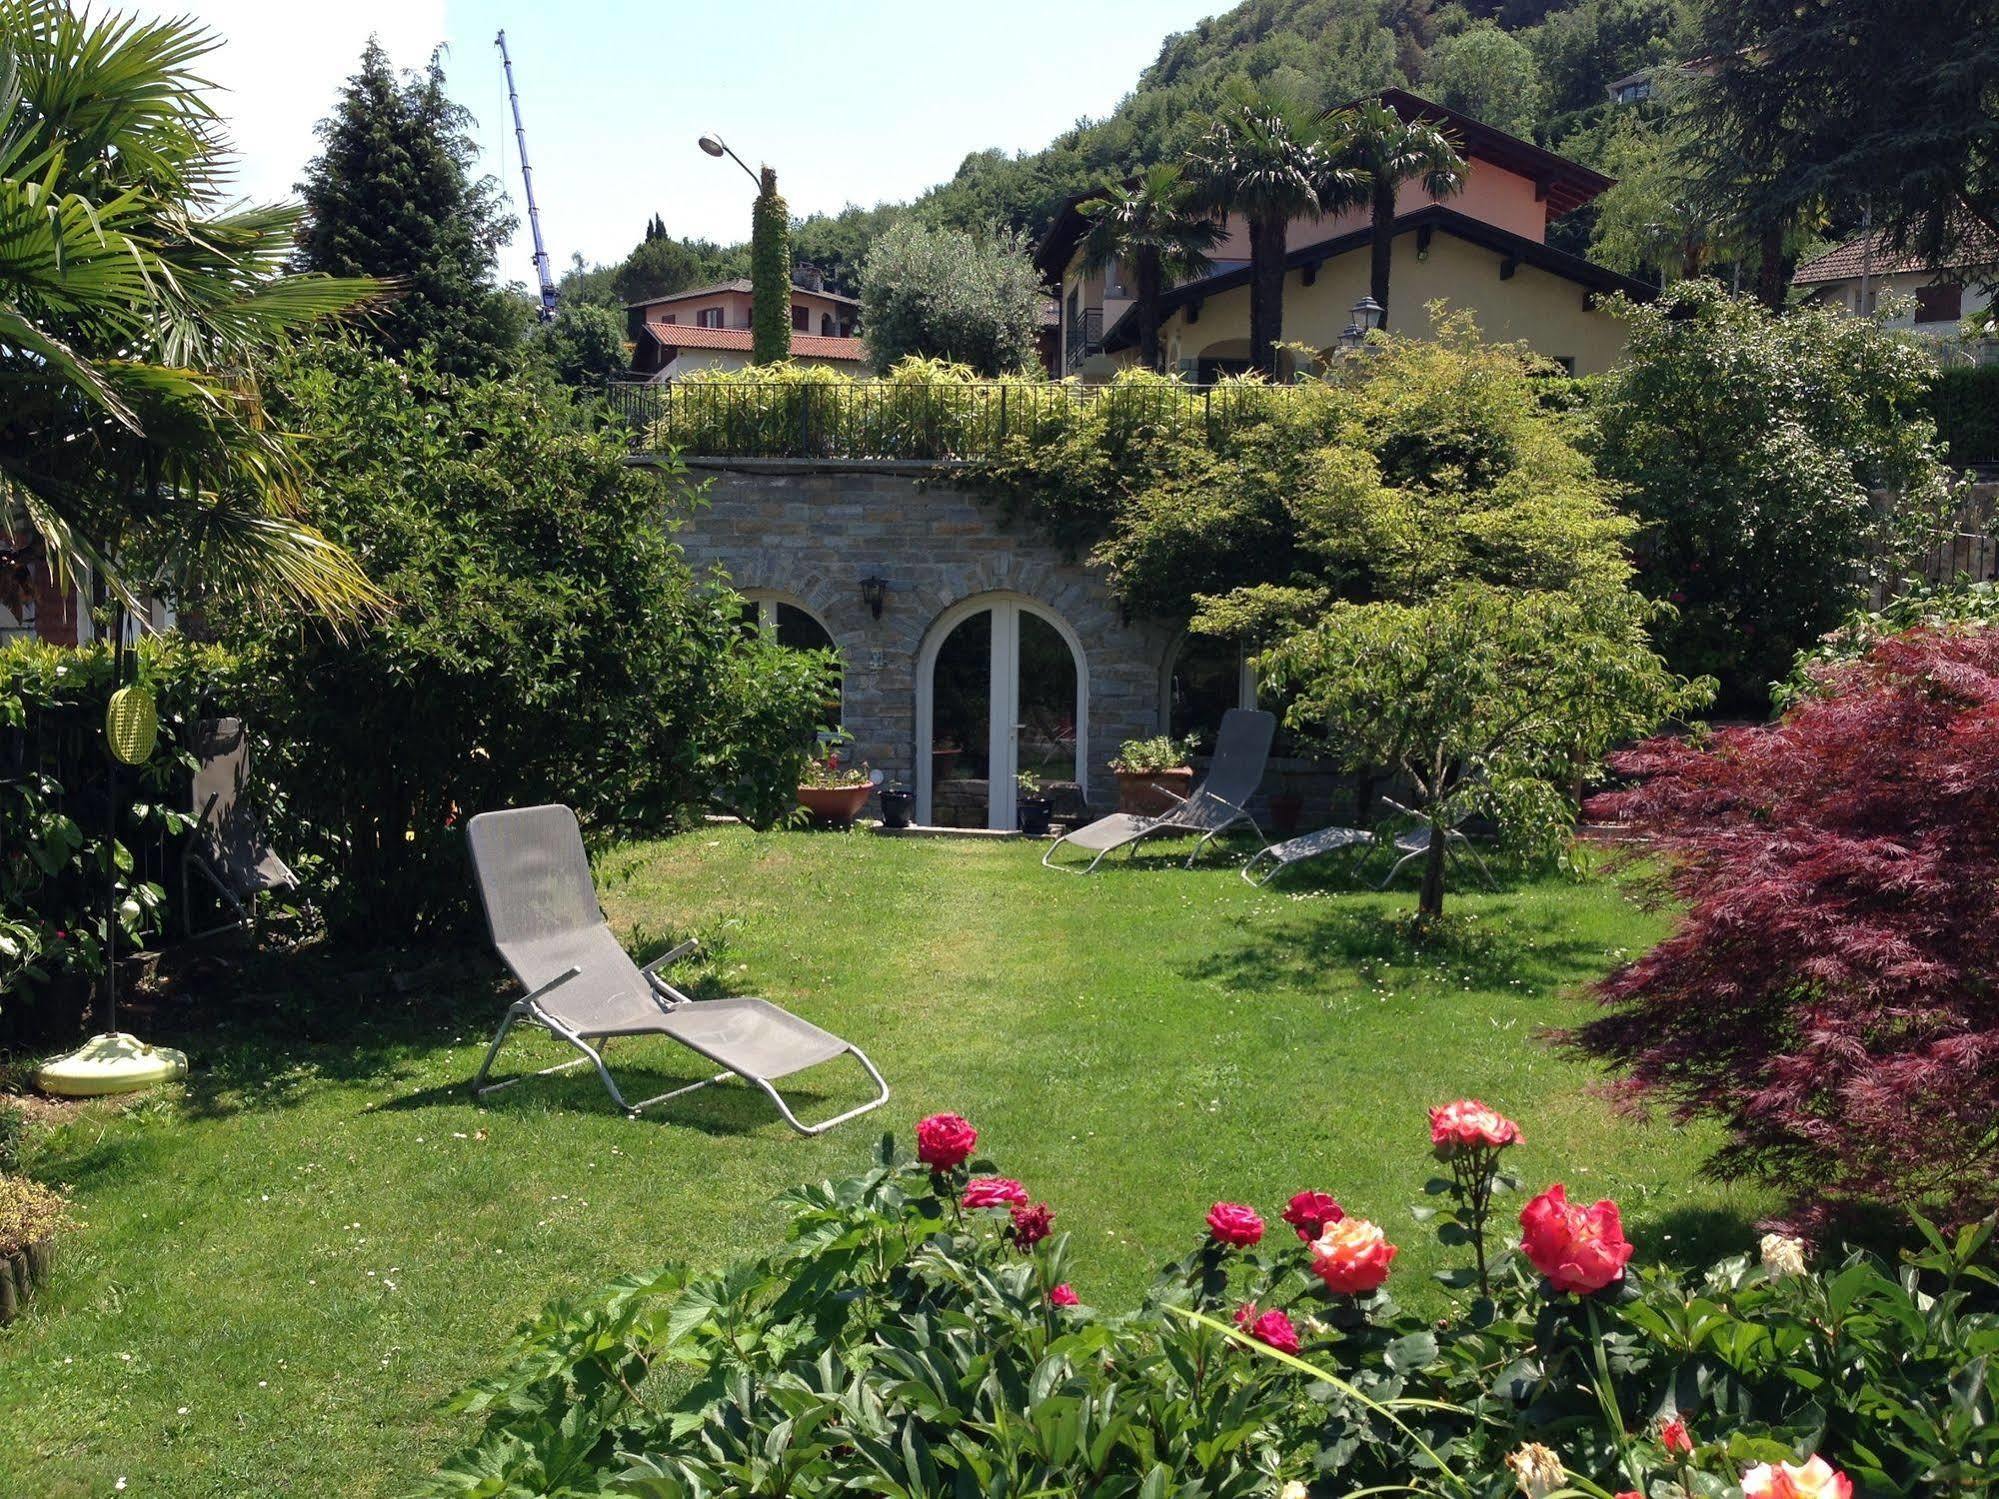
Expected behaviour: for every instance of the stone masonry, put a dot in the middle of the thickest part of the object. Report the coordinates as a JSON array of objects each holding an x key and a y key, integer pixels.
[{"x": 811, "y": 532}]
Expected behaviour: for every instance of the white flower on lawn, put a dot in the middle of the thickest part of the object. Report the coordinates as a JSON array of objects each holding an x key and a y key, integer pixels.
[
  {"x": 1536, "y": 1469},
  {"x": 1783, "y": 1255}
]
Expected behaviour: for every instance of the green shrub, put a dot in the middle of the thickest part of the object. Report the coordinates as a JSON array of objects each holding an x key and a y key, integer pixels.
[
  {"x": 1161, "y": 752},
  {"x": 918, "y": 1334},
  {"x": 948, "y": 294},
  {"x": 548, "y": 641},
  {"x": 13, "y": 1134},
  {"x": 55, "y": 847},
  {"x": 1963, "y": 401}
]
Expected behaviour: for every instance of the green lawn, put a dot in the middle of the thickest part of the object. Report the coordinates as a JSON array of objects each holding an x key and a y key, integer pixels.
[{"x": 288, "y": 1265}]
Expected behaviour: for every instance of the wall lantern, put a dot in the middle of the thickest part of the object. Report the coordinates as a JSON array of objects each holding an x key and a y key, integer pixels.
[{"x": 874, "y": 593}]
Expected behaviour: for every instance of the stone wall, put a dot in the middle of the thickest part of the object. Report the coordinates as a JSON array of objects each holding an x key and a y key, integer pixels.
[{"x": 811, "y": 533}]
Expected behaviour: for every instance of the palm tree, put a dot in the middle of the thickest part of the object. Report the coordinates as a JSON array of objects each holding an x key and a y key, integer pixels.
[
  {"x": 134, "y": 312},
  {"x": 1154, "y": 228},
  {"x": 1265, "y": 158},
  {"x": 1383, "y": 151}
]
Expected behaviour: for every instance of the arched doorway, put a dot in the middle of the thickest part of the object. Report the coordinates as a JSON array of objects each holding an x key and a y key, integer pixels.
[{"x": 1001, "y": 688}]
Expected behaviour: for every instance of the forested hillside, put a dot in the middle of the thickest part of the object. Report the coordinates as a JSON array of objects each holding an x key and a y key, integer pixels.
[{"x": 1534, "y": 67}]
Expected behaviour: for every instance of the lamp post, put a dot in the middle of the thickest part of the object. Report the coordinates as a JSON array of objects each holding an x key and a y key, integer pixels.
[
  {"x": 1367, "y": 315},
  {"x": 770, "y": 260}
]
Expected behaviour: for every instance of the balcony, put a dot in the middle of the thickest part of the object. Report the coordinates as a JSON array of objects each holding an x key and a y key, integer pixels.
[{"x": 1084, "y": 337}]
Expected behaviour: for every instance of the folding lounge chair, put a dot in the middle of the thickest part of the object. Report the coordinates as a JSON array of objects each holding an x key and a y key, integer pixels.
[
  {"x": 534, "y": 882},
  {"x": 1242, "y": 749},
  {"x": 1307, "y": 846},
  {"x": 228, "y": 848},
  {"x": 1415, "y": 843}
]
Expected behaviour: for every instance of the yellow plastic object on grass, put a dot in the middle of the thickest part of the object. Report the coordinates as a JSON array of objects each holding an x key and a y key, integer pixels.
[
  {"x": 116, "y": 1063},
  {"x": 131, "y": 724}
]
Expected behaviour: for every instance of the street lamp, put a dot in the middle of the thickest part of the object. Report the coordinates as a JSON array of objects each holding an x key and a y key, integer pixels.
[
  {"x": 1368, "y": 314},
  {"x": 715, "y": 146},
  {"x": 1351, "y": 338}
]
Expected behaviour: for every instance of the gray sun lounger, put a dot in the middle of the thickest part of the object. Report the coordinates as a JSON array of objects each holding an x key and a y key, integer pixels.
[
  {"x": 534, "y": 882},
  {"x": 1415, "y": 843},
  {"x": 228, "y": 848},
  {"x": 1306, "y": 846},
  {"x": 1242, "y": 749}
]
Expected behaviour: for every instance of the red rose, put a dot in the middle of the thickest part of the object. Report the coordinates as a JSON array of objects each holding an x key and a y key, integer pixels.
[
  {"x": 1675, "y": 1438},
  {"x": 1031, "y": 1224},
  {"x": 1310, "y": 1212},
  {"x": 1273, "y": 1328},
  {"x": 993, "y": 1192},
  {"x": 1352, "y": 1256},
  {"x": 944, "y": 1141},
  {"x": 1062, "y": 1295},
  {"x": 1579, "y": 1249},
  {"x": 1232, "y": 1223},
  {"x": 1470, "y": 1125}
]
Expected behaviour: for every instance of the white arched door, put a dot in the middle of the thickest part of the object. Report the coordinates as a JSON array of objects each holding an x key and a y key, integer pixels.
[{"x": 1000, "y": 688}]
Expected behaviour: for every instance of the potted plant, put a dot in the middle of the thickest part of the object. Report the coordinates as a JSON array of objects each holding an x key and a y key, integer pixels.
[
  {"x": 1147, "y": 767},
  {"x": 1031, "y": 807},
  {"x": 898, "y": 802},
  {"x": 30, "y": 1218},
  {"x": 834, "y": 790}
]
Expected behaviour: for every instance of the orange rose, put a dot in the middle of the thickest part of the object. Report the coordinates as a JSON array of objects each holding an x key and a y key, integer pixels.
[{"x": 1352, "y": 1256}]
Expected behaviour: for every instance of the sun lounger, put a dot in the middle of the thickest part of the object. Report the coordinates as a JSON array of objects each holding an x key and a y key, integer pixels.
[{"x": 1282, "y": 856}]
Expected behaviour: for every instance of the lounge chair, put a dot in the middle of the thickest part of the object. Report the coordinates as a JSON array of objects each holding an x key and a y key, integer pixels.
[
  {"x": 534, "y": 882},
  {"x": 1306, "y": 846},
  {"x": 1415, "y": 843},
  {"x": 228, "y": 847},
  {"x": 1242, "y": 749}
]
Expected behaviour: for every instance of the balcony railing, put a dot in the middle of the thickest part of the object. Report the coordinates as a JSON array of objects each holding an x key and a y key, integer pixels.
[
  {"x": 885, "y": 420},
  {"x": 1085, "y": 336}
]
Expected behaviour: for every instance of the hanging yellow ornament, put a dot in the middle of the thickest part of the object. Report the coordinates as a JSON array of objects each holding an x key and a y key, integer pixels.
[{"x": 131, "y": 724}]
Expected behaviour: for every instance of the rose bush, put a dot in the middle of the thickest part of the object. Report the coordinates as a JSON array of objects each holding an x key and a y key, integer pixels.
[{"x": 898, "y": 1344}]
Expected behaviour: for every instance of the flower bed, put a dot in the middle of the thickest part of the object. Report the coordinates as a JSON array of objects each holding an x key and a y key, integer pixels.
[{"x": 921, "y": 1333}]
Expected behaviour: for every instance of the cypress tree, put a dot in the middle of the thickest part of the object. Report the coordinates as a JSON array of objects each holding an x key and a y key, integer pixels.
[
  {"x": 770, "y": 275},
  {"x": 392, "y": 195}
]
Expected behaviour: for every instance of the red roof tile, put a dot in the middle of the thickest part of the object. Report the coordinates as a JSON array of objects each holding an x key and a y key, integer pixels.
[
  {"x": 1846, "y": 262},
  {"x": 804, "y": 345}
]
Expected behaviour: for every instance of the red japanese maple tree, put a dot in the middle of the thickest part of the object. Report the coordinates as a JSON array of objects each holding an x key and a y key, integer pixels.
[{"x": 1832, "y": 991}]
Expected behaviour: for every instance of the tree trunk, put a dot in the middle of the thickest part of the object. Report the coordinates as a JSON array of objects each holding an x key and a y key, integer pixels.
[
  {"x": 1381, "y": 246},
  {"x": 1430, "y": 904},
  {"x": 1773, "y": 279},
  {"x": 1148, "y": 276},
  {"x": 1266, "y": 293}
]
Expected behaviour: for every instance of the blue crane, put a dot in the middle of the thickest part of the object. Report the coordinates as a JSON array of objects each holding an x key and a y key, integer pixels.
[{"x": 527, "y": 179}]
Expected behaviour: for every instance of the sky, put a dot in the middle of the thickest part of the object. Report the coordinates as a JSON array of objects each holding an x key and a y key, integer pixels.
[{"x": 853, "y": 101}]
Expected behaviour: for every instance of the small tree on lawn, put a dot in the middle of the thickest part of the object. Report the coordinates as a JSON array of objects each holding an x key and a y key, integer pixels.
[
  {"x": 1487, "y": 700},
  {"x": 1829, "y": 994}
]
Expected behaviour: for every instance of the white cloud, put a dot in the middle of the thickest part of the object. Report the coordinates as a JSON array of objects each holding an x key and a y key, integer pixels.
[{"x": 282, "y": 62}]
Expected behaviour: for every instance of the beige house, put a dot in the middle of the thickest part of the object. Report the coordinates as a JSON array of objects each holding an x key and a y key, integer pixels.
[
  {"x": 1865, "y": 272},
  {"x": 1483, "y": 249},
  {"x": 709, "y": 328}
]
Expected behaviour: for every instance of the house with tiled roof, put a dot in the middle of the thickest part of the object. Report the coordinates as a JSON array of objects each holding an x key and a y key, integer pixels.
[
  {"x": 1484, "y": 249},
  {"x": 1867, "y": 270},
  {"x": 708, "y": 328}
]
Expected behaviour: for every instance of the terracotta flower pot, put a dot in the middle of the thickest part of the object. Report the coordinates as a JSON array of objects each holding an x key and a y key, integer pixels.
[
  {"x": 1136, "y": 793},
  {"x": 834, "y": 806}
]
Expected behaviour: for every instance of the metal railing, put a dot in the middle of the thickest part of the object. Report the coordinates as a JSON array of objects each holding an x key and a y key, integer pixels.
[
  {"x": 1085, "y": 336},
  {"x": 887, "y": 420}
]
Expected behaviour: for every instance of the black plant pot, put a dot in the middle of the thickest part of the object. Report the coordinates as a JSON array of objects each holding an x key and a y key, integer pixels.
[
  {"x": 1034, "y": 813},
  {"x": 897, "y": 804}
]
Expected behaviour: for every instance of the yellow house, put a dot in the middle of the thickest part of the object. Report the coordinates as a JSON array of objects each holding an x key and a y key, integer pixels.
[{"x": 1483, "y": 249}]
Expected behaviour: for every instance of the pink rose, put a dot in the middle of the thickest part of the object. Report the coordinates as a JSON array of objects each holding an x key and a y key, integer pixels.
[
  {"x": 993, "y": 1192},
  {"x": 1273, "y": 1328},
  {"x": 1470, "y": 1125},
  {"x": 1579, "y": 1249},
  {"x": 1232, "y": 1223},
  {"x": 1310, "y": 1212},
  {"x": 1063, "y": 1295},
  {"x": 1813, "y": 1479},
  {"x": 944, "y": 1141},
  {"x": 1031, "y": 1224},
  {"x": 1352, "y": 1256}
]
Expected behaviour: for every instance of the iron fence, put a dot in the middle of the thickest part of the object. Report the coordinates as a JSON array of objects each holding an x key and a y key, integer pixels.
[{"x": 887, "y": 420}]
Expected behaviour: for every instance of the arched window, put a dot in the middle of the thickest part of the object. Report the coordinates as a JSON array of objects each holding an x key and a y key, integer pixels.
[{"x": 791, "y": 625}]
